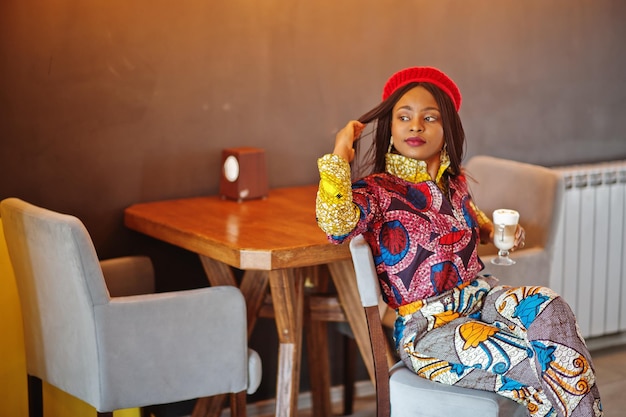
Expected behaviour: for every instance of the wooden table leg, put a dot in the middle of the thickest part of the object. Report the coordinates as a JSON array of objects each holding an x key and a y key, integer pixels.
[
  {"x": 253, "y": 287},
  {"x": 217, "y": 272},
  {"x": 316, "y": 331},
  {"x": 287, "y": 287},
  {"x": 319, "y": 367},
  {"x": 344, "y": 278}
]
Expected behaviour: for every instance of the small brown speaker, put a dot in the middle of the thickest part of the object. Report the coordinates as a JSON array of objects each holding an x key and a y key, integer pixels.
[{"x": 244, "y": 174}]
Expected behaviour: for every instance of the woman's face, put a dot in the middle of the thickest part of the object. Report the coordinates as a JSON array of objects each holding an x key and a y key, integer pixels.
[{"x": 416, "y": 126}]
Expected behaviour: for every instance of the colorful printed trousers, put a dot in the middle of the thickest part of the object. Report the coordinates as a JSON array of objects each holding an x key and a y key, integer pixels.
[{"x": 522, "y": 343}]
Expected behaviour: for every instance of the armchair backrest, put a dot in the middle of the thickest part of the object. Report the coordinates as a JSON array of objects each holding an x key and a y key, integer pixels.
[
  {"x": 59, "y": 280},
  {"x": 537, "y": 193},
  {"x": 533, "y": 190},
  {"x": 365, "y": 270}
]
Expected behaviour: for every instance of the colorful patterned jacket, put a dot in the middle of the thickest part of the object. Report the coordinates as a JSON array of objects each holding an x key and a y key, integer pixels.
[{"x": 423, "y": 234}]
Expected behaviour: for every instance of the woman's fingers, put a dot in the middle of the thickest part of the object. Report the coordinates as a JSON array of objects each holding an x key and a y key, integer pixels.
[
  {"x": 520, "y": 237},
  {"x": 357, "y": 129},
  {"x": 345, "y": 139}
]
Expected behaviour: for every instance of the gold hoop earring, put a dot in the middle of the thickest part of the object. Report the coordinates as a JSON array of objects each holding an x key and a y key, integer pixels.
[
  {"x": 390, "y": 145},
  {"x": 444, "y": 158}
]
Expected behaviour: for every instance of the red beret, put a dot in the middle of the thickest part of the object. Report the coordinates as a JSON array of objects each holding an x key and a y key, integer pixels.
[{"x": 423, "y": 74}]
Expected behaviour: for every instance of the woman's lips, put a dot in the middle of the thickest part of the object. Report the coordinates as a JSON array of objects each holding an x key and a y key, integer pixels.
[{"x": 416, "y": 141}]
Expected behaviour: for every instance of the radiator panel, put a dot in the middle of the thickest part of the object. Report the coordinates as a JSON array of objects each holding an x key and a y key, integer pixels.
[
  {"x": 588, "y": 267},
  {"x": 615, "y": 261}
]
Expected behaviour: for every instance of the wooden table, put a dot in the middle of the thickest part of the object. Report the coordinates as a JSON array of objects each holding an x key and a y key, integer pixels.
[{"x": 276, "y": 241}]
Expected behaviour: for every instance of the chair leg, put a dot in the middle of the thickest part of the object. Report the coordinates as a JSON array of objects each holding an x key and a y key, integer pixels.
[
  {"x": 238, "y": 404},
  {"x": 35, "y": 397},
  {"x": 349, "y": 369}
]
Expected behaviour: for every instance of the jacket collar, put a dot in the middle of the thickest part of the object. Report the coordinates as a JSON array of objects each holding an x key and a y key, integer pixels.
[{"x": 414, "y": 170}]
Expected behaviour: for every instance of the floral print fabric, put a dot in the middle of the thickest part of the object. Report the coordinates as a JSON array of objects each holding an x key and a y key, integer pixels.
[{"x": 522, "y": 343}]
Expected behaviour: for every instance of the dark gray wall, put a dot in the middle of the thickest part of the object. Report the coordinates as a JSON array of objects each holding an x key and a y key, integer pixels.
[{"x": 104, "y": 103}]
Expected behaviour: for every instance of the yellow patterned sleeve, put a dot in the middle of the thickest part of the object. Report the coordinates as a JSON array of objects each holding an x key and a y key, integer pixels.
[
  {"x": 484, "y": 223},
  {"x": 480, "y": 216},
  {"x": 336, "y": 214}
]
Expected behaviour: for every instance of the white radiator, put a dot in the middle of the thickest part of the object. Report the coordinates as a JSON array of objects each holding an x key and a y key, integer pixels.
[{"x": 589, "y": 265}]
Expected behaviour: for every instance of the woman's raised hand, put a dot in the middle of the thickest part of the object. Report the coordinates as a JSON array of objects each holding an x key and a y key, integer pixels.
[
  {"x": 487, "y": 231},
  {"x": 346, "y": 137}
]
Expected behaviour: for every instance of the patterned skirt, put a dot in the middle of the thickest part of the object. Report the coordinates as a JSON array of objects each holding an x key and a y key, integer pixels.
[{"x": 522, "y": 343}]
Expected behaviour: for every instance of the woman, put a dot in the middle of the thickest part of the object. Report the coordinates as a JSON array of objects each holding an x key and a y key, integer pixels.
[{"x": 453, "y": 325}]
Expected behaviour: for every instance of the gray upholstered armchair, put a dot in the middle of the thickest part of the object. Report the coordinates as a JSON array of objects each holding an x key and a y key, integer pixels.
[
  {"x": 126, "y": 350},
  {"x": 534, "y": 191}
]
